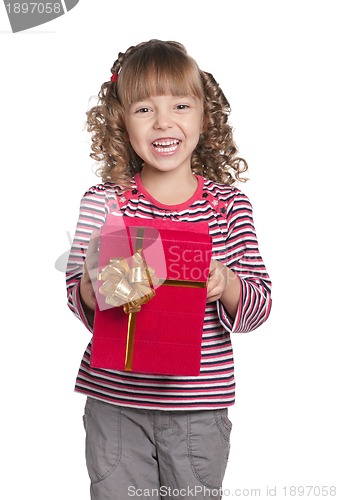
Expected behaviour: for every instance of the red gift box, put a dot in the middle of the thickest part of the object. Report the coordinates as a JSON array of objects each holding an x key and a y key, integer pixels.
[{"x": 164, "y": 336}]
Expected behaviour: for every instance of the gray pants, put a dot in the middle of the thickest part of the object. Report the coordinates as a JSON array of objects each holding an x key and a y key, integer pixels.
[{"x": 144, "y": 454}]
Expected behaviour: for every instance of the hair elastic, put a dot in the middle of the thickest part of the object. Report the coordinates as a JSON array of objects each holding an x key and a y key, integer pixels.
[{"x": 114, "y": 76}]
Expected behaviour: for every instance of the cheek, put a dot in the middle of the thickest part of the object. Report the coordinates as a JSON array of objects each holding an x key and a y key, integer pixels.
[
  {"x": 130, "y": 128},
  {"x": 132, "y": 137},
  {"x": 132, "y": 132},
  {"x": 136, "y": 144}
]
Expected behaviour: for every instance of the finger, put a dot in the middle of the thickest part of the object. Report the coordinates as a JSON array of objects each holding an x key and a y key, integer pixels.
[
  {"x": 93, "y": 246},
  {"x": 92, "y": 257},
  {"x": 212, "y": 291},
  {"x": 212, "y": 298},
  {"x": 88, "y": 295},
  {"x": 212, "y": 266}
]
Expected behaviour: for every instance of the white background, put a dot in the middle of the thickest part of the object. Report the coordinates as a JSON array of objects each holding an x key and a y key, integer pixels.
[{"x": 277, "y": 64}]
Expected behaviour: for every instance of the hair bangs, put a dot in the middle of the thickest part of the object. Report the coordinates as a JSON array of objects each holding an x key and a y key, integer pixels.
[{"x": 175, "y": 74}]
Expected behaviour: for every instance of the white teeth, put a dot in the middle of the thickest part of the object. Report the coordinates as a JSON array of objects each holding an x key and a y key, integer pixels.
[
  {"x": 166, "y": 143},
  {"x": 166, "y": 149}
]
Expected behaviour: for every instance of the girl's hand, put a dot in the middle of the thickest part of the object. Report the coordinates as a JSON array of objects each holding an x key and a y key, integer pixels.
[
  {"x": 217, "y": 280},
  {"x": 87, "y": 290}
]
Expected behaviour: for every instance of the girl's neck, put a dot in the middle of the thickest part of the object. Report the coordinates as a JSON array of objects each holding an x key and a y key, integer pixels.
[{"x": 169, "y": 188}]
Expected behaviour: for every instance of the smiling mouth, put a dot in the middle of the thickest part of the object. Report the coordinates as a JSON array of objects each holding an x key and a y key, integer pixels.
[{"x": 166, "y": 146}]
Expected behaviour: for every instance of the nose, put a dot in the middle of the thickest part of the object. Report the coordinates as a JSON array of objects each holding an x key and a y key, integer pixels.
[{"x": 163, "y": 119}]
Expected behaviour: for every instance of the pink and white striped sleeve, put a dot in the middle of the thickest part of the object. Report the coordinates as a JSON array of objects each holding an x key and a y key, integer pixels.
[
  {"x": 92, "y": 216},
  {"x": 243, "y": 257}
]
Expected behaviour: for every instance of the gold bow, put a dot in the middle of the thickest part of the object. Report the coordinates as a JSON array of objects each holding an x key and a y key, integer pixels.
[{"x": 130, "y": 286}]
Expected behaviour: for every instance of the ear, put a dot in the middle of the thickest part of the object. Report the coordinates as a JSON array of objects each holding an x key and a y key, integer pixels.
[
  {"x": 123, "y": 127},
  {"x": 125, "y": 134},
  {"x": 204, "y": 124}
]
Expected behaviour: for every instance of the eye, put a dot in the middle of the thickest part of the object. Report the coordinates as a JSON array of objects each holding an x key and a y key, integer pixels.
[
  {"x": 142, "y": 110},
  {"x": 182, "y": 106}
]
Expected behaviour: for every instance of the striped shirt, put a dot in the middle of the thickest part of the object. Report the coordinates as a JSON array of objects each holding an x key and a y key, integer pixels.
[{"x": 229, "y": 215}]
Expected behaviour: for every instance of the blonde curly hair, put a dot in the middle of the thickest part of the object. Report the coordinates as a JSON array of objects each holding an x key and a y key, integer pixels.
[{"x": 161, "y": 68}]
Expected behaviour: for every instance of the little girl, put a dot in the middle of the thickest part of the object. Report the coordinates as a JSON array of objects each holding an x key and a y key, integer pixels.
[{"x": 166, "y": 150}]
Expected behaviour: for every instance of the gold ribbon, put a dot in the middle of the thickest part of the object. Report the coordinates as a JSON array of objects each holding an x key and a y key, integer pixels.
[
  {"x": 130, "y": 286},
  {"x": 133, "y": 286}
]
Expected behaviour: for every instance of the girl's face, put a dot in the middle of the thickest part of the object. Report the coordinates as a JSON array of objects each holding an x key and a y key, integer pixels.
[{"x": 164, "y": 130}]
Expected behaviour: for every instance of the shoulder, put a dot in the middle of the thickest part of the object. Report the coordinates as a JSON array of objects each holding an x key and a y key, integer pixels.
[
  {"x": 101, "y": 193},
  {"x": 95, "y": 199},
  {"x": 225, "y": 196},
  {"x": 103, "y": 189},
  {"x": 106, "y": 197},
  {"x": 221, "y": 191}
]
